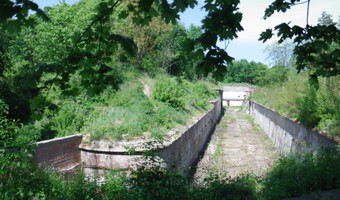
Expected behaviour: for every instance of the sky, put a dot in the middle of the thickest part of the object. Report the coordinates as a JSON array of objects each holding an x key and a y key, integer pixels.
[{"x": 247, "y": 46}]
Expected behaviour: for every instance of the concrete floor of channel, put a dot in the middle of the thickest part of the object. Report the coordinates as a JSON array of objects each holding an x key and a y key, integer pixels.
[{"x": 237, "y": 146}]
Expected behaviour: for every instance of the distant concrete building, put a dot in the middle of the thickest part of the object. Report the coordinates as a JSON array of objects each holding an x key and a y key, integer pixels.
[{"x": 235, "y": 95}]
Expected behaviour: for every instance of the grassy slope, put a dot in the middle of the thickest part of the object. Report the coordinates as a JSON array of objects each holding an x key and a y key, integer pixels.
[
  {"x": 127, "y": 113},
  {"x": 298, "y": 100}
]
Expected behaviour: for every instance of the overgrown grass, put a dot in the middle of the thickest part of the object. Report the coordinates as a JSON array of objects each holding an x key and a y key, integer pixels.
[
  {"x": 291, "y": 176},
  {"x": 124, "y": 113},
  {"x": 130, "y": 113},
  {"x": 297, "y": 99}
]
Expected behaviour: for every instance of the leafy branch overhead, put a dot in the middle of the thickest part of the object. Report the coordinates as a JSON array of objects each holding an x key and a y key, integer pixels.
[
  {"x": 18, "y": 11},
  {"x": 221, "y": 23},
  {"x": 316, "y": 47}
]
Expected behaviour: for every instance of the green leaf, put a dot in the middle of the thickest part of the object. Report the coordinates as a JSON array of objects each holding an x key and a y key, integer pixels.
[
  {"x": 266, "y": 35},
  {"x": 127, "y": 43},
  {"x": 313, "y": 81}
]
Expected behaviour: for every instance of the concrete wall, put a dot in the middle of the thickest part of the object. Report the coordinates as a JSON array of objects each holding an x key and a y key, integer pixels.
[
  {"x": 183, "y": 152},
  {"x": 180, "y": 152},
  {"x": 286, "y": 134},
  {"x": 62, "y": 154}
]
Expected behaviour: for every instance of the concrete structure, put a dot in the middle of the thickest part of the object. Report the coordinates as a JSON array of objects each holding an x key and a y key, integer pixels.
[
  {"x": 180, "y": 152},
  {"x": 183, "y": 147},
  {"x": 62, "y": 154},
  {"x": 287, "y": 135},
  {"x": 235, "y": 95}
]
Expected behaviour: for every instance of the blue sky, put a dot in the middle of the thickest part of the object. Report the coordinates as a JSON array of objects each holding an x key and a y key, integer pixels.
[{"x": 247, "y": 45}]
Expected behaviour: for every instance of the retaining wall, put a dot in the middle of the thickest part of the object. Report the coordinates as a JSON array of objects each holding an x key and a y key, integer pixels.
[
  {"x": 62, "y": 154},
  {"x": 181, "y": 151},
  {"x": 286, "y": 134},
  {"x": 184, "y": 151}
]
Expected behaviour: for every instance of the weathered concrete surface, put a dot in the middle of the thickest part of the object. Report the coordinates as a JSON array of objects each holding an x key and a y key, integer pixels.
[
  {"x": 179, "y": 152},
  {"x": 237, "y": 146},
  {"x": 62, "y": 154},
  {"x": 287, "y": 135}
]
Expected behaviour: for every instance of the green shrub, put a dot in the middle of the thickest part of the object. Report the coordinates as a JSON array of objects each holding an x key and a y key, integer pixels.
[
  {"x": 69, "y": 118},
  {"x": 297, "y": 99},
  {"x": 308, "y": 105},
  {"x": 151, "y": 183},
  {"x": 201, "y": 95},
  {"x": 295, "y": 175},
  {"x": 222, "y": 187},
  {"x": 170, "y": 92},
  {"x": 20, "y": 178}
]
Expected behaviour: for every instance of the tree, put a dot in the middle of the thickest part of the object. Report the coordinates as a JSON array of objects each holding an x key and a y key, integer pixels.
[
  {"x": 223, "y": 23},
  {"x": 313, "y": 48},
  {"x": 245, "y": 72},
  {"x": 326, "y": 19},
  {"x": 281, "y": 54}
]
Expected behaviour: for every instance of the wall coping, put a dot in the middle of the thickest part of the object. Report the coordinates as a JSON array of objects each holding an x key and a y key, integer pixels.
[
  {"x": 299, "y": 123},
  {"x": 59, "y": 140}
]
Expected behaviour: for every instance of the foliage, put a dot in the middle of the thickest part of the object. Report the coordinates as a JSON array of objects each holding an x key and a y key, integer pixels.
[
  {"x": 170, "y": 92},
  {"x": 296, "y": 175},
  {"x": 245, "y": 72},
  {"x": 19, "y": 177},
  {"x": 130, "y": 113},
  {"x": 309, "y": 107},
  {"x": 301, "y": 101},
  {"x": 281, "y": 54},
  {"x": 221, "y": 23},
  {"x": 255, "y": 73},
  {"x": 14, "y": 14},
  {"x": 314, "y": 45}
]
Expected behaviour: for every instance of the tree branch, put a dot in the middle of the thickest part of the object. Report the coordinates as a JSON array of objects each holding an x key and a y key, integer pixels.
[{"x": 101, "y": 17}]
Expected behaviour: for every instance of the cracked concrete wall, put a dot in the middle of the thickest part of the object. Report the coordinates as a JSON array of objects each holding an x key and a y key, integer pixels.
[{"x": 287, "y": 135}]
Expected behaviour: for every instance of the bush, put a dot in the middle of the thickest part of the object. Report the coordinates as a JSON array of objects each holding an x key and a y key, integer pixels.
[
  {"x": 200, "y": 95},
  {"x": 296, "y": 98},
  {"x": 170, "y": 92},
  {"x": 295, "y": 175},
  {"x": 309, "y": 108}
]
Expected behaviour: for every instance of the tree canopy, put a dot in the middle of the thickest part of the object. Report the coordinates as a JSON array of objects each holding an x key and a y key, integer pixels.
[
  {"x": 314, "y": 51},
  {"x": 314, "y": 45}
]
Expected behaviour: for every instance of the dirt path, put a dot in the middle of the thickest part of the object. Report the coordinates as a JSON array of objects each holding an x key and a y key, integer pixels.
[{"x": 237, "y": 146}]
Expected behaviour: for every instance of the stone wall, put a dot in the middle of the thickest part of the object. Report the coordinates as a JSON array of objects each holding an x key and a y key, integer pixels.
[
  {"x": 62, "y": 154},
  {"x": 287, "y": 134}
]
